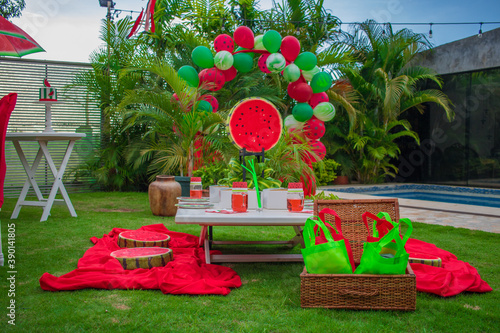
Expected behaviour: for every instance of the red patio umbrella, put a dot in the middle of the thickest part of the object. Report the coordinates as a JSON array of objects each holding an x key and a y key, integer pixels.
[{"x": 15, "y": 42}]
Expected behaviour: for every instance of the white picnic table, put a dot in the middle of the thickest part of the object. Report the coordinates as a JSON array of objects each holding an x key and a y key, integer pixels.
[
  {"x": 43, "y": 138},
  {"x": 250, "y": 218}
]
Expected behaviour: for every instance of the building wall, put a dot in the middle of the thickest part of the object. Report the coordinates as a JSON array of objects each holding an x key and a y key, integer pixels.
[
  {"x": 466, "y": 150},
  {"x": 465, "y": 55}
]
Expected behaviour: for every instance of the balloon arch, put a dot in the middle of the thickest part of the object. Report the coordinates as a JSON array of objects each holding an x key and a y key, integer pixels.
[{"x": 307, "y": 85}]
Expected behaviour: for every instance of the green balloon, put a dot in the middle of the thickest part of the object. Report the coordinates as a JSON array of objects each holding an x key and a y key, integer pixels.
[
  {"x": 291, "y": 122},
  {"x": 258, "y": 43},
  {"x": 306, "y": 61},
  {"x": 190, "y": 75},
  {"x": 324, "y": 111},
  {"x": 308, "y": 75},
  {"x": 204, "y": 106},
  {"x": 202, "y": 56},
  {"x": 275, "y": 62},
  {"x": 321, "y": 82},
  {"x": 243, "y": 62},
  {"x": 242, "y": 48},
  {"x": 272, "y": 41},
  {"x": 302, "y": 112},
  {"x": 223, "y": 60},
  {"x": 291, "y": 73}
]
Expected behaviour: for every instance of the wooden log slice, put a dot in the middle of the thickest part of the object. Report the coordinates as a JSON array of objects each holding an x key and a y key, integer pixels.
[
  {"x": 426, "y": 259},
  {"x": 143, "y": 257},
  {"x": 138, "y": 238}
]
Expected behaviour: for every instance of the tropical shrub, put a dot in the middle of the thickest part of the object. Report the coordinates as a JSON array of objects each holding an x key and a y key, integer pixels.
[
  {"x": 325, "y": 175},
  {"x": 211, "y": 174},
  {"x": 262, "y": 171}
]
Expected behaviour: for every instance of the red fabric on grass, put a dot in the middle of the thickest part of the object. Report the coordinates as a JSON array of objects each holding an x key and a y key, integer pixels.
[
  {"x": 186, "y": 274},
  {"x": 453, "y": 277}
]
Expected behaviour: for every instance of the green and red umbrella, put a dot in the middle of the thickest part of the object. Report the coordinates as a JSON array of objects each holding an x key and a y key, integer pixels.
[{"x": 15, "y": 42}]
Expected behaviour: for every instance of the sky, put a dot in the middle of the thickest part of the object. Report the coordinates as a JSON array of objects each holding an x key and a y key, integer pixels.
[{"x": 69, "y": 29}]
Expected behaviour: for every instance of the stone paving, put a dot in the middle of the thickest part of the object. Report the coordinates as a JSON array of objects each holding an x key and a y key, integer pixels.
[
  {"x": 459, "y": 216},
  {"x": 469, "y": 221}
]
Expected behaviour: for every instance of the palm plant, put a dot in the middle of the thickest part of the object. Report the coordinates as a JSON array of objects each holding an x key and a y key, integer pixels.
[
  {"x": 384, "y": 76},
  {"x": 288, "y": 161},
  {"x": 385, "y": 84},
  {"x": 173, "y": 128},
  {"x": 308, "y": 20},
  {"x": 376, "y": 147}
]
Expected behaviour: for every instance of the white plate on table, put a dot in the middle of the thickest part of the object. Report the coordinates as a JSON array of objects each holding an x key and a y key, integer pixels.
[
  {"x": 190, "y": 205},
  {"x": 193, "y": 200}
]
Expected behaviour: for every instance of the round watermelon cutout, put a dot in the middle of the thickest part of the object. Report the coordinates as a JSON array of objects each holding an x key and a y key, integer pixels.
[
  {"x": 140, "y": 238},
  {"x": 143, "y": 257},
  {"x": 254, "y": 124}
]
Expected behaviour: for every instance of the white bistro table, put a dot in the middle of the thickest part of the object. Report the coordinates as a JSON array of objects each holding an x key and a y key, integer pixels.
[
  {"x": 43, "y": 138},
  {"x": 250, "y": 218}
]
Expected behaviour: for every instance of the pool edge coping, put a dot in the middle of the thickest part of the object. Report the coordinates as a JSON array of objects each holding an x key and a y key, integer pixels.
[{"x": 421, "y": 204}]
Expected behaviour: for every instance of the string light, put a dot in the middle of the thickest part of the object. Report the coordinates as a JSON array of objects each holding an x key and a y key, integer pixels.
[{"x": 245, "y": 21}]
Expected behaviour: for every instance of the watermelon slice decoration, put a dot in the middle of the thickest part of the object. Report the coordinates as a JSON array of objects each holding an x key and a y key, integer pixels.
[
  {"x": 255, "y": 124},
  {"x": 139, "y": 238},
  {"x": 143, "y": 257}
]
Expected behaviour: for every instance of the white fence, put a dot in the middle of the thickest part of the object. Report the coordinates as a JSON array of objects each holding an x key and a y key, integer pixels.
[{"x": 74, "y": 113}]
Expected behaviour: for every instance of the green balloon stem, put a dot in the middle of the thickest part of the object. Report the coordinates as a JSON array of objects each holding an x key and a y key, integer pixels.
[{"x": 254, "y": 176}]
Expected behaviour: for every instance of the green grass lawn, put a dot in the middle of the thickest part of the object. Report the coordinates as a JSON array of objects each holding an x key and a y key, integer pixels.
[{"x": 268, "y": 300}]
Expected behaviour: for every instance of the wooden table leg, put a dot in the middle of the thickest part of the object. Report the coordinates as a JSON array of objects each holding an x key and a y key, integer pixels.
[
  {"x": 58, "y": 180},
  {"x": 298, "y": 238},
  {"x": 203, "y": 235},
  {"x": 30, "y": 181},
  {"x": 206, "y": 247}
]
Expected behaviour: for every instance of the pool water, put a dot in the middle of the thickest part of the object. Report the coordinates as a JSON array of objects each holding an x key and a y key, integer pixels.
[
  {"x": 439, "y": 193},
  {"x": 444, "y": 197}
]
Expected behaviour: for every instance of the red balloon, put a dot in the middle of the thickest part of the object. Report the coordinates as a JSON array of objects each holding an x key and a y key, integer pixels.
[
  {"x": 212, "y": 100},
  {"x": 212, "y": 79},
  {"x": 299, "y": 91},
  {"x": 230, "y": 73},
  {"x": 175, "y": 97},
  {"x": 318, "y": 148},
  {"x": 185, "y": 108},
  {"x": 243, "y": 36},
  {"x": 309, "y": 184},
  {"x": 224, "y": 43},
  {"x": 290, "y": 48},
  {"x": 262, "y": 63},
  {"x": 297, "y": 135},
  {"x": 318, "y": 98},
  {"x": 201, "y": 74},
  {"x": 314, "y": 128}
]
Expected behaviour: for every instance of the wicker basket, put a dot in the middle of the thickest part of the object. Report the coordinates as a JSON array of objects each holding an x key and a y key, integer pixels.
[{"x": 358, "y": 291}]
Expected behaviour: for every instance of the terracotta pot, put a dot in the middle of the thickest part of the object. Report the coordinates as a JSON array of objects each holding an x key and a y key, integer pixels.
[
  {"x": 163, "y": 193},
  {"x": 341, "y": 180}
]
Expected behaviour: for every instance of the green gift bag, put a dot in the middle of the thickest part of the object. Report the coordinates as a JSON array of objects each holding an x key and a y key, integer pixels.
[
  {"x": 386, "y": 256},
  {"x": 327, "y": 258}
]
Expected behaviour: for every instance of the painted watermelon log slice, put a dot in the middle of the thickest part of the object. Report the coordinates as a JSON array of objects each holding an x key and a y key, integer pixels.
[
  {"x": 423, "y": 258},
  {"x": 138, "y": 238},
  {"x": 143, "y": 257},
  {"x": 254, "y": 123}
]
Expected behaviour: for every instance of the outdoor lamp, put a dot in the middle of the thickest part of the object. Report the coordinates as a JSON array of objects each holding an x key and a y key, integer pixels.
[{"x": 104, "y": 3}]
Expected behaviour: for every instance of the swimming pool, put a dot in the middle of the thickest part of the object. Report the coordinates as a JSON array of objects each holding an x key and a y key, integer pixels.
[{"x": 440, "y": 193}]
